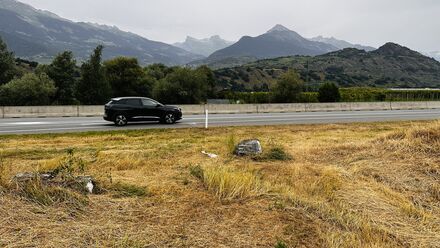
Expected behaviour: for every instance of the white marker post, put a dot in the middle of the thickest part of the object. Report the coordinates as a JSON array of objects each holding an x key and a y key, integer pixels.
[{"x": 206, "y": 117}]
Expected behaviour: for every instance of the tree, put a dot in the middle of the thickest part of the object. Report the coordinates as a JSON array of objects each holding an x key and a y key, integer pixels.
[
  {"x": 289, "y": 88},
  {"x": 329, "y": 92},
  {"x": 158, "y": 71},
  {"x": 93, "y": 88},
  {"x": 7, "y": 64},
  {"x": 30, "y": 90},
  {"x": 183, "y": 86},
  {"x": 208, "y": 74},
  {"x": 62, "y": 71},
  {"x": 127, "y": 78}
]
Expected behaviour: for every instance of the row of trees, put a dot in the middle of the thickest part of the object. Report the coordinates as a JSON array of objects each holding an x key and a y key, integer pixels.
[
  {"x": 94, "y": 82},
  {"x": 63, "y": 82},
  {"x": 290, "y": 88}
]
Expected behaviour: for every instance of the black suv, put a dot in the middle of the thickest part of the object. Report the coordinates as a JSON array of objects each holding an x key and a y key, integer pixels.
[{"x": 125, "y": 109}]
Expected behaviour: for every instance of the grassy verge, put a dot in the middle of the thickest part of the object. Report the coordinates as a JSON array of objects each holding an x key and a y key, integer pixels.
[{"x": 348, "y": 185}]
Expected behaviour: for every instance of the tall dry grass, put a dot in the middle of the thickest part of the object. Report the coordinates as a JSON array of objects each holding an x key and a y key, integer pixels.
[{"x": 351, "y": 185}]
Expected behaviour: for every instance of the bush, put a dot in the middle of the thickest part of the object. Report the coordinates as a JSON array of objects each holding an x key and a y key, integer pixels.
[
  {"x": 289, "y": 88},
  {"x": 30, "y": 90},
  {"x": 329, "y": 92}
]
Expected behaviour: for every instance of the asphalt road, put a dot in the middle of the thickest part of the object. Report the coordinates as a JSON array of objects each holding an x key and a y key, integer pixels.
[{"x": 62, "y": 125}]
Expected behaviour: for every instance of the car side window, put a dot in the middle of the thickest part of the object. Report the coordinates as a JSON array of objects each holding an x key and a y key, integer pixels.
[
  {"x": 133, "y": 102},
  {"x": 148, "y": 103}
]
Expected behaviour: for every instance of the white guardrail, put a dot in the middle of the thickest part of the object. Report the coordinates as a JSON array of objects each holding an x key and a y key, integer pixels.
[{"x": 89, "y": 111}]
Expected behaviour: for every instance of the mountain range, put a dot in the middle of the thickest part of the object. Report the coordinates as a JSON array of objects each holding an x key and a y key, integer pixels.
[
  {"x": 391, "y": 65},
  {"x": 204, "y": 47},
  {"x": 39, "y": 35},
  {"x": 341, "y": 44},
  {"x": 277, "y": 42}
]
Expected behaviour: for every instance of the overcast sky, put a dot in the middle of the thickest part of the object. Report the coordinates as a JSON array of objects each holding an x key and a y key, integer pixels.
[{"x": 413, "y": 23}]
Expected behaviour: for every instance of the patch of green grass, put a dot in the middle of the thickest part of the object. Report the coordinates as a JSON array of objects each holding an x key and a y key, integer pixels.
[
  {"x": 274, "y": 154},
  {"x": 196, "y": 171},
  {"x": 278, "y": 153},
  {"x": 231, "y": 144},
  {"x": 280, "y": 244},
  {"x": 127, "y": 190}
]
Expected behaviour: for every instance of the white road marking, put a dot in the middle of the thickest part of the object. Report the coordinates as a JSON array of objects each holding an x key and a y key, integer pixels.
[
  {"x": 309, "y": 115},
  {"x": 25, "y": 123},
  {"x": 46, "y": 129}
]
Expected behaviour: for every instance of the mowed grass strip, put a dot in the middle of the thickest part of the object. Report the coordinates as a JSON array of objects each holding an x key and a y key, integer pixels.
[{"x": 345, "y": 185}]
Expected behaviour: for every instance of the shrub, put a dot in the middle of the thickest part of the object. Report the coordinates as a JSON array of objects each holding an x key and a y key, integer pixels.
[
  {"x": 30, "y": 90},
  {"x": 329, "y": 92},
  {"x": 288, "y": 88}
]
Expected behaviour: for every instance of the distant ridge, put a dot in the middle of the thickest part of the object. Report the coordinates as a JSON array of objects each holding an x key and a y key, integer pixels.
[
  {"x": 342, "y": 44},
  {"x": 39, "y": 35},
  {"x": 204, "y": 47},
  {"x": 279, "y": 41}
]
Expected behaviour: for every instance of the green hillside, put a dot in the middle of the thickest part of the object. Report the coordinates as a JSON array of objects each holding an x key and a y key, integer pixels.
[{"x": 391, "y": 65}]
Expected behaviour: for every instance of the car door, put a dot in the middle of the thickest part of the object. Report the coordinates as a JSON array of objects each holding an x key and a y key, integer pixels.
[
  {"x": 149, "y": 109},
  {"x": 134, "y": 111}
]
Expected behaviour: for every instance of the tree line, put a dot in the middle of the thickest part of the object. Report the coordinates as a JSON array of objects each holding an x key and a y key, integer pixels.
[{"x": 63, "y": 82}]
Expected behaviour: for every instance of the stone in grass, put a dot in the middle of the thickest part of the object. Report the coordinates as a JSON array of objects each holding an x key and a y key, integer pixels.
[{"x": 249, "y": 148}]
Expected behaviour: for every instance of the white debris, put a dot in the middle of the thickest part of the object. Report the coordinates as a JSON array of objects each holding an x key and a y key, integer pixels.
[
  {"x": 90, "y": 187},
  {"x": 211, "y": 155}
]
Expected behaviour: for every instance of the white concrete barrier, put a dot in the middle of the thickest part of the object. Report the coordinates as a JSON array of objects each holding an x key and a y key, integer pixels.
[
  {"x": 280, "y": 108},
  {"x": 192, "y": 109},
  {"x": 364, "y": 106},
  {"x": 40, "y": 111},
  {"x": 85, "y": 111},
  {"x": 318, "y": 107},
  {"x": 433, "y": 105},
  {"x": 408, "y": 105},
  {"x": 232, "y": 108}
]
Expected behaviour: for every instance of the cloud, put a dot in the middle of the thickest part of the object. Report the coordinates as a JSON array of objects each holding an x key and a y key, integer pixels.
[{"x": 413, "y": 23}]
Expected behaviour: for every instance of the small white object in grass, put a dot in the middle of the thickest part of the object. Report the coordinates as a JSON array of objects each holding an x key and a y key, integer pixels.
[
  {"x": 211, "y": 155},
  {"x": 90, "y": 187}
]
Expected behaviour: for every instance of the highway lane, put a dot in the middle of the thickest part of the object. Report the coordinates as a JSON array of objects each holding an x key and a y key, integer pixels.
[{"x": 82, "y": 124}]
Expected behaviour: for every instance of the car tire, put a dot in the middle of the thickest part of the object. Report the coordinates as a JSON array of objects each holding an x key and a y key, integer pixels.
[
  {"x": 168, "y": 118},
  {"x": 120, "y": 120}
]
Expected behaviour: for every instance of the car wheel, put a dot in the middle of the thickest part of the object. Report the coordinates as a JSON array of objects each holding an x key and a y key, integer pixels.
[
  {"x": 120, "y": 120},
  {"x": 169, "y": 118}
]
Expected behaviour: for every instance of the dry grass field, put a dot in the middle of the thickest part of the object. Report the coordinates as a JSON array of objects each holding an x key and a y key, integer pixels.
[{"x": 347, "y": 185}]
